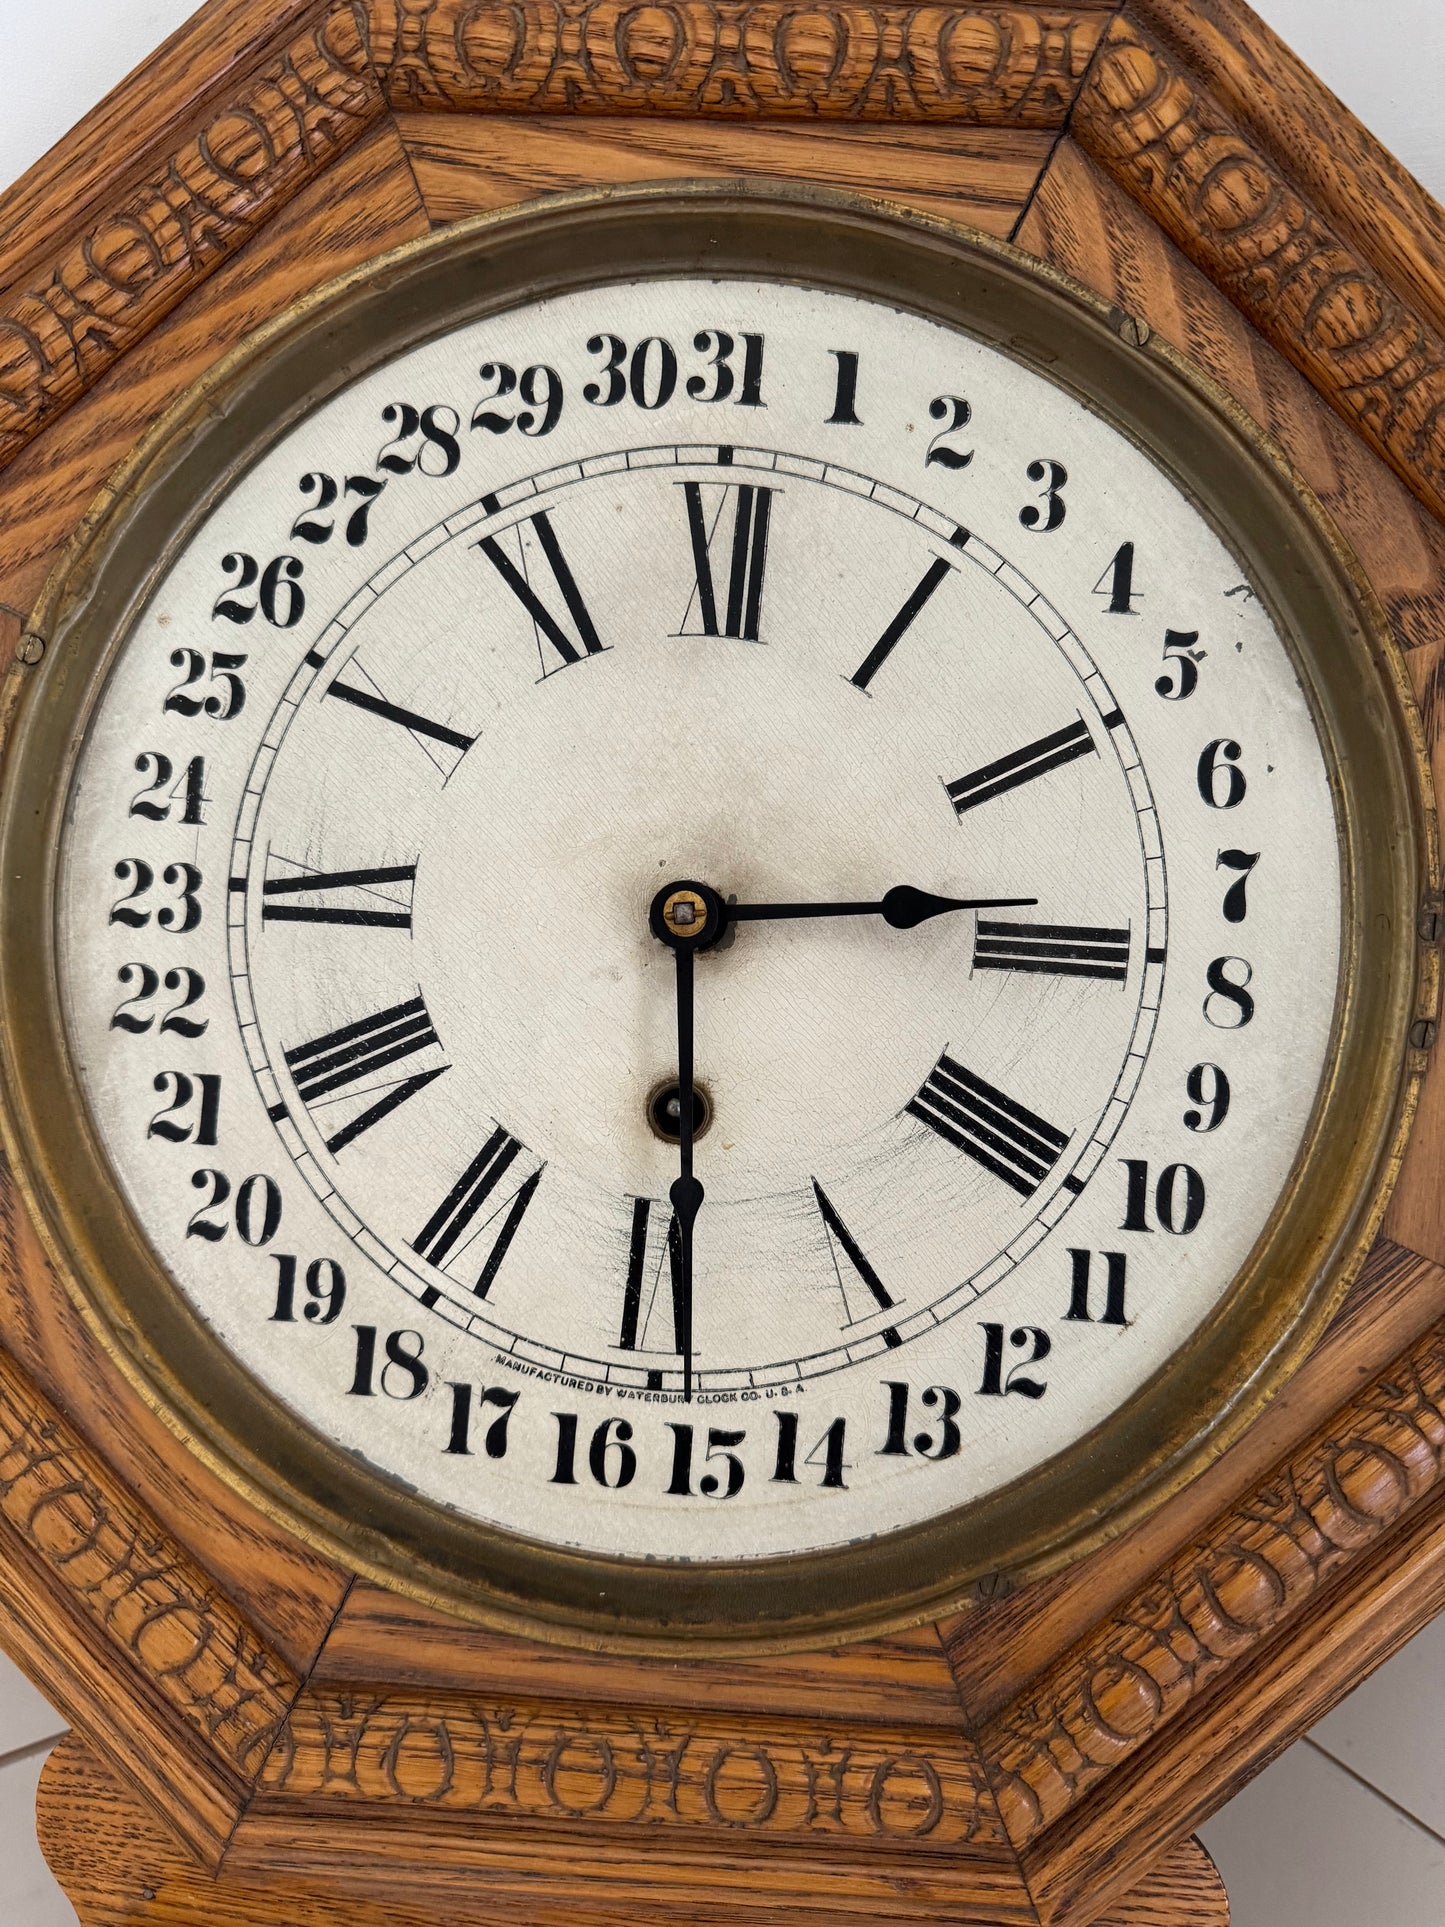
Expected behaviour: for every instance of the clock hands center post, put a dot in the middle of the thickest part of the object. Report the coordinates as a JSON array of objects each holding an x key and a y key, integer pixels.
[{"x": 685, "y": 916}]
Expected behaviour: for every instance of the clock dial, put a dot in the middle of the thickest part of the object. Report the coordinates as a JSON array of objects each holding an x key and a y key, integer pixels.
[{"x": 702, "y": 919}]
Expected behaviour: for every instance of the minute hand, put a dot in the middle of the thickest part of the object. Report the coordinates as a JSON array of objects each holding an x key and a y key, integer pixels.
[{"x": 902, "y": 907}]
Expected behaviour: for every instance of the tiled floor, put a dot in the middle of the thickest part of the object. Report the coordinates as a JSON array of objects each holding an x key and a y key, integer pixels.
[{"x": 1346, "y": 1829}]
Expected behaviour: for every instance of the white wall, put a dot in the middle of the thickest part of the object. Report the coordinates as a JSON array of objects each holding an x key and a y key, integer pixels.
[{"x": 1348, "y": 1828}]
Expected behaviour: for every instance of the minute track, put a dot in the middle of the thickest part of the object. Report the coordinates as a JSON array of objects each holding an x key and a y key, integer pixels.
[{"x": 661, "y": 471}]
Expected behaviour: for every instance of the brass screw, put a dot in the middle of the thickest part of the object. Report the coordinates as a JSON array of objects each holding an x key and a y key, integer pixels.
[
  {"x": 1423, "y": 1033},
  {"x": 32, "y": 648},
  {"x": 684, "y": 913}
]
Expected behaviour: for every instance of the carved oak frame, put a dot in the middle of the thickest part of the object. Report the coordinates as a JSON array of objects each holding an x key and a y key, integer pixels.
[{"x": 260, "y": 1737}]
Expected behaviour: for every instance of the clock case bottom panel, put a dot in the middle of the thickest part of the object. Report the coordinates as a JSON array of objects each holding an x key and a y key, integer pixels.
[{"x": 1115, "y": 1704}]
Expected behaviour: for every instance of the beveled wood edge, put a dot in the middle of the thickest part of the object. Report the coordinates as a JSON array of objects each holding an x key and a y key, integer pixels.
[
  {"x": 118, "y": 1866},
  {"x": 1351, "y": 176},
  {"x": 1350, "y": 285}
]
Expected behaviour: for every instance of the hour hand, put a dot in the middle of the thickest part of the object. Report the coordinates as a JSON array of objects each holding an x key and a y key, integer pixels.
[{"x": 902, "y": 907}]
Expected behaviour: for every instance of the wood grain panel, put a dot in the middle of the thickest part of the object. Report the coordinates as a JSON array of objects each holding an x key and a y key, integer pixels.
[
  {"x": 1326, "y": 1516},
  {"x": 381, "y": 1637},
  {"x": 121, "y": 1870},
  {"x": 1000, "y": 1648},
  {"x": 1183, "y": 1887},
  {"x": 1376, "y": 203},
  {"x": 468, "y": 164},
  {"x": 1170, "y": 1787},
  {"x": 71, "y": 315},
  {"x": 268, "y": 1576},
  {"x": 148, "y": 113},
  {"x": 129, "y": 1638}
]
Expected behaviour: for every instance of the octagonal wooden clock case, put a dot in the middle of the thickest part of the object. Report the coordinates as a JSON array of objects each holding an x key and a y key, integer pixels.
[{"x": 719, "y": 955}]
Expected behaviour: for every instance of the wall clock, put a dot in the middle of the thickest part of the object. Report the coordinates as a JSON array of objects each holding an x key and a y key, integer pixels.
[
  {"x": 777, "y": 661},
  {"x": 720, "y": 958}
]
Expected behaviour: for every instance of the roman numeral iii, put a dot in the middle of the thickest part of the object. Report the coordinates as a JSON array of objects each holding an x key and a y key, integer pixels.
[
  {"x": 727, "y": 523},
  {"x": 1006, "y": 1138},
  {"x": 1056, "y": 949}
]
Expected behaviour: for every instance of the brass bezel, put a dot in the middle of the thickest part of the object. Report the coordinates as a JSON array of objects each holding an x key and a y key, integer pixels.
[{"x": 1327, "y": 1215}]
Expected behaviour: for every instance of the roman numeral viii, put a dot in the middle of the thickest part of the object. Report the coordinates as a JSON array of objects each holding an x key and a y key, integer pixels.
[
  {"x": 540, "y": 555},
  {"x": 1058, "y": 949},
  {"x": 1021, "y": 766},
  {"x": 730, "y": 522},
  {"x": 448, "y": 1231},
  {"x": 1012, "y": 1142},
  {"x": 328, "y": 1071}
]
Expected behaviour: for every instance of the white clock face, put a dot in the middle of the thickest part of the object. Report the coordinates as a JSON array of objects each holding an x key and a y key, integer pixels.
[{"x": 801, "y": 599}]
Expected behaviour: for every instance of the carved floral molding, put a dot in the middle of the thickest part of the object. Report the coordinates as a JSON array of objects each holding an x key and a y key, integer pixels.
[
  {"x": 689, "y": 1772},
  {"x": 1222, "y": 1598},
  {"x": 1153, "y": 126}
]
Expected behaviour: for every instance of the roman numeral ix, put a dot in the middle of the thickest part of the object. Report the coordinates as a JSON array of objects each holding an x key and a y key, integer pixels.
[
  {"x": 446, "y": 1229},
  {"x": 1021, "y": 766},
  {"x": 747, "y": 557},
  {"x": 1059, "y": 949},
  {"x": 331, "y": 1066},
  {"x": 1012, "y": 1142},
  {"x": 584, "y": 640}
]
